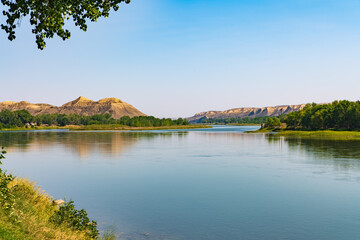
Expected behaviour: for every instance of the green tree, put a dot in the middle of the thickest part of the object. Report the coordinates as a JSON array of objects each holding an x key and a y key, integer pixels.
[
  {"x": 24, "y": 116},
  {"x": 336, "y": 115},
  {"x": 292, "y": 120},
  {"x": 62, "y": 119},
  {"x": 48, "y": 17},
  {"x": 272, "y": 122},
  {"x": 7, "y": 118}
]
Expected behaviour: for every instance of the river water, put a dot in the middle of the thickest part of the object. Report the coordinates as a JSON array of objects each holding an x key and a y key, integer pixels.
[{"x": 215, "y": 183}]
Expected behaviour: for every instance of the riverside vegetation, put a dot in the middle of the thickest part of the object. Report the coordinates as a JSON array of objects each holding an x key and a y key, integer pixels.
[
  {"x": 28, "y": 213},
  {"x": 23, "y": 119},
  {"x": 336, "y": 120},
  {"x": 234, "y": 120}
]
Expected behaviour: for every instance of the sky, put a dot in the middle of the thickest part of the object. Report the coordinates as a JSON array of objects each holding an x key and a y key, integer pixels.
[{"x": 175, "y": 58}]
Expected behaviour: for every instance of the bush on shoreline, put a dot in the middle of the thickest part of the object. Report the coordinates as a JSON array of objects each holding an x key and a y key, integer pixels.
[{"x": 28, "y": 213}]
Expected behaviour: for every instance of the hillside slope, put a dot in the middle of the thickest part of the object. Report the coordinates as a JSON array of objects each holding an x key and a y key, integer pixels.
[
  {"x": 81, "y": 106},
  {"x": 247, "y": 112}
]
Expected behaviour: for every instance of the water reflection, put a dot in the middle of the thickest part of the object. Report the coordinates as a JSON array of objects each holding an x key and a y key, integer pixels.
[
  {"x": 198, "y": 184},
  {"x": 82, "y": 143},
  {"x": 340, "y": 154}
]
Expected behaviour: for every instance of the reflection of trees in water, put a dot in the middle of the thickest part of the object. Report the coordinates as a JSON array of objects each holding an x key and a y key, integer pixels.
[
  {"x": 342, "y": 154},
  {"x": 83, "y": 143}
]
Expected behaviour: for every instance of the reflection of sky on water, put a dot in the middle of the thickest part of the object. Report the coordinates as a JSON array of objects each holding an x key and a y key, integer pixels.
[
  {"x": 110, "y": 143},
  {"x": 335, "y": 159},
  {"x": 82, "y": 143},
  {"x": 340, "y": 154},
  {"x": 219, "y": 184}
]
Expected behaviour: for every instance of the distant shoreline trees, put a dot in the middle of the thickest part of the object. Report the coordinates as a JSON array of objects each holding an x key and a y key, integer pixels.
[
  {"x": 233, "y": 120},
  {"x": 272, "y": 122},
  {"x": 338, "y": 115},
  {"x": 341, "y": 115},
  {"x": 22, "y": 118}
]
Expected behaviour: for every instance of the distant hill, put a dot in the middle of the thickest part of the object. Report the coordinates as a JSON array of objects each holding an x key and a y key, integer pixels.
[
  {"x": 247, "y": 112},
  {"x": 81, "y": 106}
]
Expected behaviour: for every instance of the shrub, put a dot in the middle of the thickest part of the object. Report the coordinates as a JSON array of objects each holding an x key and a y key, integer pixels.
[
  {"x": 75, "y": 219},
  {"x": 7, "y": 198},
  {"x": 272, "y": 122}
]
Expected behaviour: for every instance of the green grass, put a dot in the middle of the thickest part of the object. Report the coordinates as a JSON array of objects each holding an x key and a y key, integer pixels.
[
  {"x": 320, "y": 134},
  {"x": 263, "y": 130},
  {"x": 29, "y": 128},
  {"x": 34, "y": 209},
  {"x": 325, "y": 134},
  {"x": 9, "y": 235}
]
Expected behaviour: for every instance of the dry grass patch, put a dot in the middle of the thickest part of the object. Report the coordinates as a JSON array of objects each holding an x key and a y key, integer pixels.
[{"x": 33, "y": 209}]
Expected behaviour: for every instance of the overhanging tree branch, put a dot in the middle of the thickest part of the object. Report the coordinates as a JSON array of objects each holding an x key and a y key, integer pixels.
[{"x": 48, "y": 16}]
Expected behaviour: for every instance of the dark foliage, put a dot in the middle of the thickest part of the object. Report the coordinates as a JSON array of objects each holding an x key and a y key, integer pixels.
[
  {"x": 238, "y": 120},
  {"x": 75, "y": 219},
  {"x": 49, "y": 17},
  {"x": 344, "y": 115},
  {"x": 23, "y": 118},
  {"x": 272, "y": 122}
]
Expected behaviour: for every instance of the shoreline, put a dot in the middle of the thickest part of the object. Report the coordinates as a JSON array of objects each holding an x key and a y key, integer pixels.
[
  {"x": 105, "y": 127},
  {"x": 232, "y": 124},
  {"x": 319, "y": 134}
]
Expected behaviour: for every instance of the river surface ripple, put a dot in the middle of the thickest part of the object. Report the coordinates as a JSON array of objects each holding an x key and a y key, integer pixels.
[{"x": 215, "y": 183}]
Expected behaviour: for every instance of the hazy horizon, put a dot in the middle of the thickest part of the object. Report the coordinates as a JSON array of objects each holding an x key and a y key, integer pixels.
[{"x": 177, "y": 58}]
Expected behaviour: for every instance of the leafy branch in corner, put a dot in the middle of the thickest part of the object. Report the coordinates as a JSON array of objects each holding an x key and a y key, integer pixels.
[{"x": 49, "y": 16}]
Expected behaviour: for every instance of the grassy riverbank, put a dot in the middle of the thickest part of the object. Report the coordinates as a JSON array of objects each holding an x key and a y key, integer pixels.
[
  {"x": 30, "y": 214},
  {"x": 106, "y": 127},
  {"x": 30, "y": 128},
  {"x": 320, "y": 134},
  {"x": 262, "y": 130},
  {"x": 325, "y": 134}
]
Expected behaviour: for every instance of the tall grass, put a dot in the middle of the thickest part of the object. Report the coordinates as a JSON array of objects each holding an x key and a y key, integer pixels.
[
  {"x": 33, "y": 208},
  {"x": 326, "y": 134},
  {"x": 27, "y": 212}
]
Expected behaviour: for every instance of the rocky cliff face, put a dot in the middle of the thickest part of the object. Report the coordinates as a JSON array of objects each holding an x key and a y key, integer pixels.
[
  {"x": 247, "y": 112},
  {"x": 81, "y": 106}
]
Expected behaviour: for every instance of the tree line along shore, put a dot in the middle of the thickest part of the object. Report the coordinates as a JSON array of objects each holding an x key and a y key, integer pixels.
[
  {"x": 233, "y": 120},
  {"x": 337, "y": 116},
  {"x": 339, "y": 120},
  {"x": 28, "y": 213},
  {"x": 23, "y": 120}
]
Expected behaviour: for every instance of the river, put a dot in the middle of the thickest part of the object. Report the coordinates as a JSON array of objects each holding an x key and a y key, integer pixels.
[{"x": 218, "y": 183}]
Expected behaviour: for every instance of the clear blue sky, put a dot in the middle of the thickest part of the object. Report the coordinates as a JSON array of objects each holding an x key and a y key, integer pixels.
[{"x": 172, "y": 58}]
